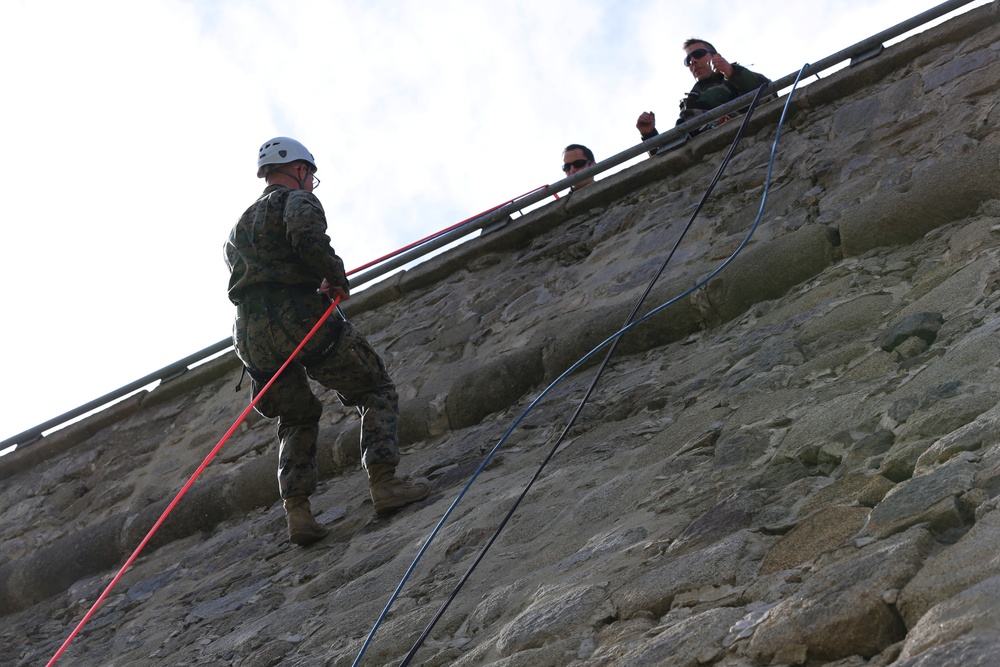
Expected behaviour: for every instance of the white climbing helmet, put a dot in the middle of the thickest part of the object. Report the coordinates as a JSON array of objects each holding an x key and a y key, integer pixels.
[{"x": 282, "y": 150}]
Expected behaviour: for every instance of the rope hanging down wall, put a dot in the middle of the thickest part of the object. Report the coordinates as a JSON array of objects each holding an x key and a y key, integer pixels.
[{"x": 612, "y": 341}]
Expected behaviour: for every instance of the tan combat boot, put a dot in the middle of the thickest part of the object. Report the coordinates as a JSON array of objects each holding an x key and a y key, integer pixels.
[
  {"x": 389, "y": 492},
  {"x": 302, "y": 527}
]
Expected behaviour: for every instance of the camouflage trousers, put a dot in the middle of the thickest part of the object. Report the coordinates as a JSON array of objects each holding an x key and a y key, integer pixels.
[{"x": 339, "y": 357}]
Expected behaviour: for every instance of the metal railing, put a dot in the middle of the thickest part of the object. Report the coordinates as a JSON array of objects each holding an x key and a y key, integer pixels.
[{"x": 863, "y": 50}]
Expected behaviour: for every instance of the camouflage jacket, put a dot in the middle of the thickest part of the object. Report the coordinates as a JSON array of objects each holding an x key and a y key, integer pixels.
[{"x": 281, "y": 240}]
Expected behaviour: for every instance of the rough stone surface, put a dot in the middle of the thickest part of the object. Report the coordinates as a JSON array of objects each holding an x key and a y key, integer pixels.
[{"x": 794, "y": 464}]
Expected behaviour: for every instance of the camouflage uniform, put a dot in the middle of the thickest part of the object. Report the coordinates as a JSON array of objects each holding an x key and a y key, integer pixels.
[{"x": 278, "y": 254}]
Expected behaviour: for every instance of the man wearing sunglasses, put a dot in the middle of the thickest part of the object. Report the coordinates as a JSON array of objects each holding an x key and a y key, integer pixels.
[
  {"x": 577, "y": 157},
  {"x": 718, "y": 82},
  {"x": 283, "y": 275}
]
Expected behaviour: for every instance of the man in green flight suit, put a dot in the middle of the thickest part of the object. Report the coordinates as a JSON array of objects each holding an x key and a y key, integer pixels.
[
  {"x": 283, "y": 275},
  {"x": 718, "y": 82}
]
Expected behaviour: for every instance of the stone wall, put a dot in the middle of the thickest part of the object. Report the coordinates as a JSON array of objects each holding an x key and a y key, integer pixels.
[{"x": 793, "y": 465}]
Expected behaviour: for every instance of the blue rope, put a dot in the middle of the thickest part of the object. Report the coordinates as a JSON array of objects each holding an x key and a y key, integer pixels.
[{"x": 608, "y": 341}]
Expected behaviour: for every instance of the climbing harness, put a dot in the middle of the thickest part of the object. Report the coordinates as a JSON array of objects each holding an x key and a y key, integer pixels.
[{"x": 612, "y": 341}]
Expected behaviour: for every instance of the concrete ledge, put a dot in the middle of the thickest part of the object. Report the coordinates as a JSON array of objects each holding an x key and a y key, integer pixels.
[
  {"x": 766, "y": 271},
  {"x": 940, "y": 193},
  {"x": 26, "y": 457},
  {"x": 493, "y": 386},
  {"x": 107, "y": 544},
  {"x": 194, "y": 378},
  {"x": 55, "y": 568}
]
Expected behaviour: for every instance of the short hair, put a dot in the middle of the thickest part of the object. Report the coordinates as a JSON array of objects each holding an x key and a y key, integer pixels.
[
  {"x": 695, "y": 40},
  {"x": 587, "y": 153},
  {"x": 268, "y": 169}
]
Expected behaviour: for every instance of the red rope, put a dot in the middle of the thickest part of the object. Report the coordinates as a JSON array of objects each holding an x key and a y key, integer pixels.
[
  {"x": 184, "y": 489},
  {"x": 445, "y": 230}
]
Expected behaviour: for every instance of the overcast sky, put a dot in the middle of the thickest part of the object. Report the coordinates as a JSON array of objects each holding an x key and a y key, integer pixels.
[{"x": 131, "y": 132}]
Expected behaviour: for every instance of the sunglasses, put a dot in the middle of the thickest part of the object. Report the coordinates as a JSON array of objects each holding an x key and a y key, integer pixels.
[
  {"x": 697, "y": 53},
  {"x": 575, "y": 164}
]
